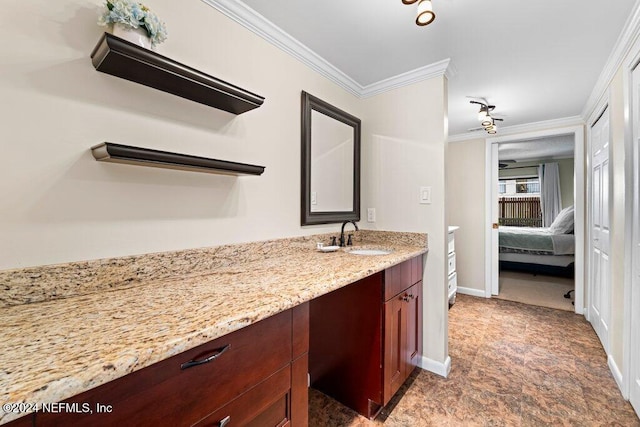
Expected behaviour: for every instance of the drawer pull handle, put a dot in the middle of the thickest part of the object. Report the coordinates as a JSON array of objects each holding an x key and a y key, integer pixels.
[
  {"x": 218, "y": 352},
  {"x": 223, "y": 422},
  {"x": 407, "y": 297}
]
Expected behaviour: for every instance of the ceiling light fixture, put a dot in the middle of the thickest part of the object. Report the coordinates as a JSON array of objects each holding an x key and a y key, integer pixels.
[
  {"x": 486, "y": 120},
  {"x": 482, "y": 113},
  {"x": 425, "y": 11}
]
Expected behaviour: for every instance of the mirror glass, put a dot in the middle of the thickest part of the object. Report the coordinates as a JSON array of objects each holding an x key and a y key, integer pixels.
[{"x": 330, "y": 163}]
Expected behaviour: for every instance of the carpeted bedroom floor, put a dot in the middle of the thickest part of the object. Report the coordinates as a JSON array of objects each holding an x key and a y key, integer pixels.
[{"x": 540, "y": 290}]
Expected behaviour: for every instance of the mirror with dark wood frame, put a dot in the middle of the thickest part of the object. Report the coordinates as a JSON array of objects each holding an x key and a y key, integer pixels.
[{"x": 330, "y": 163}]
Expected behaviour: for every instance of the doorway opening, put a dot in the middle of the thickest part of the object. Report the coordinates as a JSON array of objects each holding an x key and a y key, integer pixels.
[
  {"x": 536, "y": 258},
  {"x": 536, "y": 218}
]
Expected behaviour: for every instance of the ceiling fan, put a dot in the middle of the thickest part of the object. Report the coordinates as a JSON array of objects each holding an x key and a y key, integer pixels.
[
  {"x": 502, "y": 164},
  {"x": 495, "y": 119}
]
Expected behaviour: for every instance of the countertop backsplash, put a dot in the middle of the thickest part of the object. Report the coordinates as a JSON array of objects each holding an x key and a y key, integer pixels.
[{"x": 51, "y": 282}]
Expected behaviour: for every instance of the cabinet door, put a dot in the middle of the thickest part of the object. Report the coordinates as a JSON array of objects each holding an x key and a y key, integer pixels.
[
  {"x": 403, "y": 338},
  {"x": 395, "y": 344},
  {"x": 413, "y": 328}
]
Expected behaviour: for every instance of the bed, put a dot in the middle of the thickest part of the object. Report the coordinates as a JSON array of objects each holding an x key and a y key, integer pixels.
[{"x": 549, "y": 251}]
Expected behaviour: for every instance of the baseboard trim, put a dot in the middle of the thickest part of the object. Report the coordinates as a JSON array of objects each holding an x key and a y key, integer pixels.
[
  {"x": 471, "y": 291},
  {"x": 617, "y": 375},
  {"x": 437, "y": 368}
]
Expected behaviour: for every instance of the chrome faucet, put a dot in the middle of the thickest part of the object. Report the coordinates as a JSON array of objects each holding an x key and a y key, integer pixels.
[{"x": 342, "y": 232}]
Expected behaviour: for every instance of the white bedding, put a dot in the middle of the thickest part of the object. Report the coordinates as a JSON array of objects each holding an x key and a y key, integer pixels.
[{"x": 537, "y": 239}]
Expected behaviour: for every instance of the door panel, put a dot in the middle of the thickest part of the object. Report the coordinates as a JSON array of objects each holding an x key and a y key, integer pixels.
[
  {"x": 600, "y": 278},
  {"x": 605, "y": 195},
  {"x": 634, "y": 359},
  {"x": 605, "y": 312},
  {"x": 597, "y": 200},
  {"x": 596, "y": 294},
  {"x": 395, "y": 345},
  {"x": 414, "y": 322},
  {"x": 634, "y": 393},
  {"x": 495, "y": 282}
]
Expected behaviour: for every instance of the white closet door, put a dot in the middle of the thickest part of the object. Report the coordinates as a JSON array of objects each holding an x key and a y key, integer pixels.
[
  {"x": 600, "y": 278},
  {"x": 634, "y": 359}
]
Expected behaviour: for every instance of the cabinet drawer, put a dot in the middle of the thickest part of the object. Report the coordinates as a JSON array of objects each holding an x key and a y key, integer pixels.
[
  {"x": 452, "y": 243},
  {"x": 451, "y": 263},
  {"x": 399, "y": 277},
  {"x": 165, "y": 394},
  {"x": 453, "y": 282},
  {"x": 265, "y": 405}
]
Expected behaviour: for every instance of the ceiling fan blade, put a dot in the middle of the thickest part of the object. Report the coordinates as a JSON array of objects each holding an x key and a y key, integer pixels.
[{"x": 479, "y": 98}]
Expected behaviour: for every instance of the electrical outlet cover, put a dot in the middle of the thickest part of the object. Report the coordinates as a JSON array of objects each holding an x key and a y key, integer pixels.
[{"x": 371, "y": 214}]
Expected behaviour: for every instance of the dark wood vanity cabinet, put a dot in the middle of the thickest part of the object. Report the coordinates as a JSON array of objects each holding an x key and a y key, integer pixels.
[
  {"x": 366, "y": 338},
  {"x": 402, "y": 338},
  {"x": 259, "y": 378},
  {"x": 402, "y": 323}
]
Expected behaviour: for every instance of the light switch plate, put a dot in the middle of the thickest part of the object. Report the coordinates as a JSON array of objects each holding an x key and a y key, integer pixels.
[
  {"x": 371, "y": 214},
  {"x": 425, "y": 195}
]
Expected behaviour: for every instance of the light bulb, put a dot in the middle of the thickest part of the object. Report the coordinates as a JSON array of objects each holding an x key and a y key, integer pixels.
[
  {"x": 425, "y": 13},
  {"x": 487, "y": 120},
  {"x": 482, "y": 113}
]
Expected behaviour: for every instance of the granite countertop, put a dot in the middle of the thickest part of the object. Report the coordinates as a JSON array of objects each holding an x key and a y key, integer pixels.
[{"x": 70, "y": 342}]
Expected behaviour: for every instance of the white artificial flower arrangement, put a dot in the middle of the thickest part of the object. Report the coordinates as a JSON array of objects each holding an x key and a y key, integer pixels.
[{"x": 134, "y": 15}]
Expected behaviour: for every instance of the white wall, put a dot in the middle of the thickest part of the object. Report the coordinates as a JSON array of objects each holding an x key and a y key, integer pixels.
[
  {"x": 466, "y": 198},
  {"x": 58, "y": 204},
  {"x": 404, "y": 149}
]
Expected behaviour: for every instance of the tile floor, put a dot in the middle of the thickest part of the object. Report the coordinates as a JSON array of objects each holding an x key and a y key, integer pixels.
[{"x": 512, "y": 365}]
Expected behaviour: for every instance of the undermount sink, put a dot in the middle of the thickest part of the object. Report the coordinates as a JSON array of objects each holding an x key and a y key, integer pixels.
[{"x": 370, "y": 252}]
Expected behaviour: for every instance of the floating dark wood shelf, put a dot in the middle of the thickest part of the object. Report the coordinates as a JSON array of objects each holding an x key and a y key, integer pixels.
[
  {"x": 121, "y": 58},
  {"x": 118, "y": 153}
]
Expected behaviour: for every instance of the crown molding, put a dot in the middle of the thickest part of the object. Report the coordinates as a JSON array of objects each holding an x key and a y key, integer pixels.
[
  {"x": 258, "y": 24},
  {"x": 436, "y": 69},
  {"x": 261, "y": 26},
  {"x": 524, "y": 128},
  {"x": 625, "y": 42}
]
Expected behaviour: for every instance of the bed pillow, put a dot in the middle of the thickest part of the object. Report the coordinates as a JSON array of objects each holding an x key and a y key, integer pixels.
[{"x": 563, "y": 224}]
